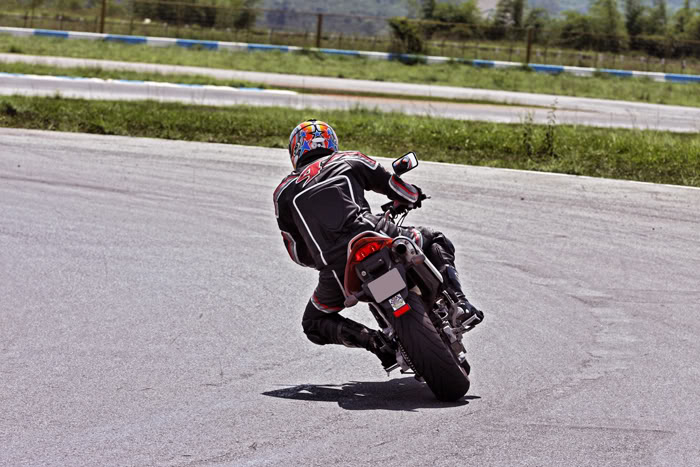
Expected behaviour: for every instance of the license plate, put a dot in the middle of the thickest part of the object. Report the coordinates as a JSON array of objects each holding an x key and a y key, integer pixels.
[{"x": 387, "y": 285}]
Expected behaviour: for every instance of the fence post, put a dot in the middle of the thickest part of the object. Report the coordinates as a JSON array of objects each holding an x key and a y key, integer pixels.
[
  {"x": 530, "y": 37},
  {"x": 319, "y": 29},
  {"x": 102, "y": 16}
]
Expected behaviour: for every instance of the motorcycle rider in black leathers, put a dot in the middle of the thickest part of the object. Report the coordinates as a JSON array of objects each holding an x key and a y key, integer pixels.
[{"x": 321, "y": 206}]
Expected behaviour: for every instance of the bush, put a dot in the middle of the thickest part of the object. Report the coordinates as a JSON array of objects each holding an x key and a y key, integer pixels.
[
  {"x": 576, "y": 31},
  {"x": 692, "y": 29},
  {"x": 451, "y": 21},
  {"x": 206, "y": 16},
  {"x": 656, "y": 46},
  {"x": 407, "y": 35}
]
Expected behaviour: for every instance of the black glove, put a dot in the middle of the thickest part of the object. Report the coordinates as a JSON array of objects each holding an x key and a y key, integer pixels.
[
  {"x": 400, "y": 207},
  {"x": 421, "y": 197}
]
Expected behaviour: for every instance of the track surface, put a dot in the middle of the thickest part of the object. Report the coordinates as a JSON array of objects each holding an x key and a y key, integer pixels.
[
  {"x": 570, "y": 110},
  {"x": 149, "y": 316}
]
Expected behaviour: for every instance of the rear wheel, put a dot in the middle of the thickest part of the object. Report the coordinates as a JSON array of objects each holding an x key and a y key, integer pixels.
[{"x": 428, "y": 353}]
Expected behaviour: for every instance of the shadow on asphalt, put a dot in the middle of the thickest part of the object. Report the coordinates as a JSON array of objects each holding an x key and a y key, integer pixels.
[{"x": 394, "y": 394}]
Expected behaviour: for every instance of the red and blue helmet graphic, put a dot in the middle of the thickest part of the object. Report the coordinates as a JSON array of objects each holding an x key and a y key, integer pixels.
[{"x": 310, "y": 135}]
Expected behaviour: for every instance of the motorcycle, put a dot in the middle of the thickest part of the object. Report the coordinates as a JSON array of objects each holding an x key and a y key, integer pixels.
[{"x": 407, "y": 297}]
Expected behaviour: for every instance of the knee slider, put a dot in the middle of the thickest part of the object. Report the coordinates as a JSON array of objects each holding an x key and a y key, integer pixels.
[
  {"x": 312, "y": 331},
  {"x": 440, "y": 239},
  {"x": 441, "y": 251}
]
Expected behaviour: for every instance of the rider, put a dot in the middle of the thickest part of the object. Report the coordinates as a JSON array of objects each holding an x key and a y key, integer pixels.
[{"x": 321, "y": 206}]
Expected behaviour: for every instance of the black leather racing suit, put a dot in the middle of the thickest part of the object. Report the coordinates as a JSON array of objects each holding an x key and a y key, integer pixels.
[{"x": 320, "y": 207}]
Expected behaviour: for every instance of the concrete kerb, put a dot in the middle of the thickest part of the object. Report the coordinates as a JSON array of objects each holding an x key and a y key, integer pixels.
[
  {"x": 240, "y": 46},
  {"x": 28, "y": 79}
]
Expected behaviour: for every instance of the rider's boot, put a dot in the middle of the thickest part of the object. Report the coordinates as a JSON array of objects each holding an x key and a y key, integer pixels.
[
  {"x": 353, "y": 334},
  {"x": 467, "y": 314}
]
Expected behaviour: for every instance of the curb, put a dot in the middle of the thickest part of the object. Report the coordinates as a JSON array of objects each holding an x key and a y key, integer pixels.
[{"x": 26, "y": 78}]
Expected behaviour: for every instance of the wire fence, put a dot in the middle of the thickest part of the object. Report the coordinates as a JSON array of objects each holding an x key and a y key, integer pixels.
[{"x": 352, "y": 32}]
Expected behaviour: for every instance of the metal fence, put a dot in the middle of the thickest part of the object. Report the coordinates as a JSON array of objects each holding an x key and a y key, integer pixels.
[{"x": 310, "y": 29}]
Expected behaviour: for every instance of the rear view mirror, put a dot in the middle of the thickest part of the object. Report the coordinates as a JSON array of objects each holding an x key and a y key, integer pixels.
[{"x": 405, "y": 163}]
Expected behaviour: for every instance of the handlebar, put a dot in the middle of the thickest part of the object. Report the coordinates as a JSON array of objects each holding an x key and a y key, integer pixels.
[{"x": 395, "y": 208}]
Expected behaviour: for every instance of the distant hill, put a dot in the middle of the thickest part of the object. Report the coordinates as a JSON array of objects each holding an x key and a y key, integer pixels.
[
  {"x": 557, "y": 6},
  {"x": 388, "y": 8},
  {"x": 363, "y": 7},
  {"x": 347, "y": 7},
  {"x": 408, "y": 7}
]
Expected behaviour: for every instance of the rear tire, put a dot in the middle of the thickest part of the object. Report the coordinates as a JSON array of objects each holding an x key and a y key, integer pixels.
[{"x": 428, "y": 354}]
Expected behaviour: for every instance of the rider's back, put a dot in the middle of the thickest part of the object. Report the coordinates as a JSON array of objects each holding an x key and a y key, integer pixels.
[{"x": 325, "y": 202}]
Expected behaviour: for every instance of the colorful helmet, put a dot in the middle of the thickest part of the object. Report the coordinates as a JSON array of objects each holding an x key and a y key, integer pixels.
[{"x": 311, "y": 136}]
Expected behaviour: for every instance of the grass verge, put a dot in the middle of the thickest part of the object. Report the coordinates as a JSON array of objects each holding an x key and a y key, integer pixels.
[
  {"x": 624, "y": 154},
  {"x": 311, "y": 63}
]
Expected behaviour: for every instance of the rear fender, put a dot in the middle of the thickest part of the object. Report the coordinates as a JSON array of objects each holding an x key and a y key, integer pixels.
[
  {"x": 353, "y": 281},
  {"x": 395, "y": 305}
]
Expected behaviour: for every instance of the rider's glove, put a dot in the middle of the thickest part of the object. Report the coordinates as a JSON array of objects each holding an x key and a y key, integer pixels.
[
  {"x": 421, "y": 197},
  {"x": 418, "y": 203},
  {"x": 400, "y": 206}
]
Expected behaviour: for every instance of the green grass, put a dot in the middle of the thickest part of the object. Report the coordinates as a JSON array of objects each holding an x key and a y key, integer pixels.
[
  {"x": 624, "y": 154},
  {"x": 311, "y": 63}
]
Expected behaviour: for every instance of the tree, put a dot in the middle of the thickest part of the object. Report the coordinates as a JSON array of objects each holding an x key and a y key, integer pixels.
[
  {"x": 502, "y": 15},
  {"x": 428, "y": 8},
  {"x": 408, "y": 38},
  {"x": 466, "y": 12},
  {"x": 517, "y": 12},
  {"x": 219, "y": 13},
  {"x": 658, "y": 18},
  {"x": 682, "y": 18},
  {"x": 576, "y": 31},
  {"x": 634, "y": 12},
  {"x": 692, "y": 31},
  {"x": 509, "y": 15},
  {"x": 537, "y": 19},
  {"x": 608, "y": 26}
]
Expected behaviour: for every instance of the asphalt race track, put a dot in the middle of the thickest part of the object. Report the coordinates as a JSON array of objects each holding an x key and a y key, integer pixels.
[{"x": 149, "y": 315}]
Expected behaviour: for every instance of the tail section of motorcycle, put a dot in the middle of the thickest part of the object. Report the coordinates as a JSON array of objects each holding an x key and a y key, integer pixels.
[{"x": 413, "y": 311}]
